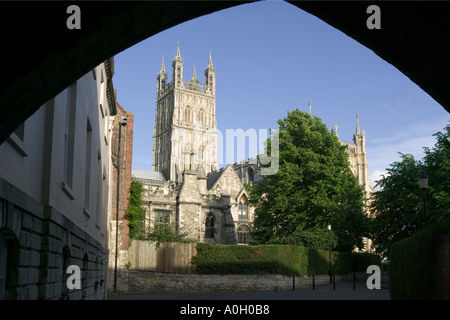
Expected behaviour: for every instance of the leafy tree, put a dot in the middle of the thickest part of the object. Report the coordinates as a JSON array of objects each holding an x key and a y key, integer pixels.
[
  {"x": 397, "y": 207},
  {"x": 167, "y": 233},
  {"x": 437, "y": 166},
  {"x": 313, "y": 185},
  {"x": 135, "y": 212}
]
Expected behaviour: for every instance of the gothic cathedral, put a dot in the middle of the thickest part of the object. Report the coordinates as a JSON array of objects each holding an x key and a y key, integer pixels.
[{"x": 186, "y": 189}]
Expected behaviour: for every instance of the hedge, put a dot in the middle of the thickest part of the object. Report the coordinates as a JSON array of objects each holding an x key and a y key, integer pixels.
[
  {"x": 414, "y": 264},
  {"x": 276, "y": 259}
]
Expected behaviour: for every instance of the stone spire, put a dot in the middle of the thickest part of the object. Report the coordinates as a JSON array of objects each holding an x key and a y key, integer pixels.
[
  {"x": 178, "y": 55},
  {"x": 210, "y": 77},
  {"x": 163, "y": 68},
  {"x": 309, "y": 107},
  {"x": 357, "y": 125},
  {"x": 210, "y": 64},
  {"x": 177, "y": 69},
  {"x": 194, "y": 75}
]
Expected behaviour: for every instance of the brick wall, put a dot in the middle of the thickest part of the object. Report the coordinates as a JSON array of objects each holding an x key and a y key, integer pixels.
[{"x": 125, "y": 163}]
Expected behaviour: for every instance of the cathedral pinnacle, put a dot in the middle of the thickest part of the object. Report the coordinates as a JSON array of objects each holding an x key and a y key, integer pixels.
[
  {"x": 194, "y": 75},
  {"x": 357, "y": 125},
  {"x": 178, "y": 55},
  {"x": 210, "y": 64},
  {"x": 163, "y": 69}
]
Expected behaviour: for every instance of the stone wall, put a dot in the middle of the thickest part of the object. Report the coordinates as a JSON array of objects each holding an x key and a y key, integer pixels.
[
  {"x": 40, "y": 244},
  {"x": 145, "y": 282}
]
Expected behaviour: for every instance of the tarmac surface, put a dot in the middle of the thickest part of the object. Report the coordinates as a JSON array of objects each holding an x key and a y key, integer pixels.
[{"x": 344, "y": 290}]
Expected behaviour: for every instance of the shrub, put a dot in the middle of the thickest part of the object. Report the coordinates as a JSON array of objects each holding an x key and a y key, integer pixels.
[
  {"x": 413, "y": 267},
  {"x": 276, "y": 259}
]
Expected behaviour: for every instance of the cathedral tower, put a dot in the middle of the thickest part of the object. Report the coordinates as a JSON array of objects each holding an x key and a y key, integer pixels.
[
  {"x": 358, "y": 160},
  {"x": 185, "y": 136}
]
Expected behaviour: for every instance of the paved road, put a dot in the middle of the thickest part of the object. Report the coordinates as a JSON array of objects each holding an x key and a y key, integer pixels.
[{"x": 342, "y": 291}]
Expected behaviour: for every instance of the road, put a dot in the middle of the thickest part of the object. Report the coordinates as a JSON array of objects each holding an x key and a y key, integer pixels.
[{"x": 341, "y": 291}]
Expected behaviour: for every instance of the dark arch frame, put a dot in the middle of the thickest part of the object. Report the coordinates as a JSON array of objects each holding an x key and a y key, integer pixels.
[{"x": 413, "y": 37}]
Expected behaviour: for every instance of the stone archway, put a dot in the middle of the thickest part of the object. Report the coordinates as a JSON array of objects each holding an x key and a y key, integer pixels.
[{"x": 413, "y": 37}]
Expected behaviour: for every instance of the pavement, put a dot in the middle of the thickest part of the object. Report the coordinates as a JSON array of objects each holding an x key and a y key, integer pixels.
[{"x": 343, "y": 290}]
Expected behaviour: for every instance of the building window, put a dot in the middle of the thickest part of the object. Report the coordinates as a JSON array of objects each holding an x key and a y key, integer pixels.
[
  {"x": 210, "y": 226},
  {"x": 243, "y": 234},
  {"x": 161, "y": 219},
  {"x": 69, "y": 135},
  {"x": 243, "y": 208},
  {"x": 88, "y": 163}
]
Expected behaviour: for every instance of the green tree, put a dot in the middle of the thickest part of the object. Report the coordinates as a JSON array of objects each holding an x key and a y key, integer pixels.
[
  {"x": 436, "y": 164},
  {"x": 313, "y": 186},
  {"x": 397, "y": 207},
  {"x": 135, "y": 212}
]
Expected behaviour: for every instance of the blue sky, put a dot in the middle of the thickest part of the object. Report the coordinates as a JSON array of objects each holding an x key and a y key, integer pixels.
[{"x": 270, "y": 58}]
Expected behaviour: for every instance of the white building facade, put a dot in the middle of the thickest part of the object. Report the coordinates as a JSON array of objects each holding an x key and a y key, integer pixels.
[{"x": 55, "y": 196}]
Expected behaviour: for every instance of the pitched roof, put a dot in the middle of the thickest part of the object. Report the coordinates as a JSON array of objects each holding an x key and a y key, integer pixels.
[
  {"x": 212, "y": 178},
  {"x": 147, "y": 175}
]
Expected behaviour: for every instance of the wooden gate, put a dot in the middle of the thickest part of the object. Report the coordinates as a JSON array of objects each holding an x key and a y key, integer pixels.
[{"x": 172, "y": 257}]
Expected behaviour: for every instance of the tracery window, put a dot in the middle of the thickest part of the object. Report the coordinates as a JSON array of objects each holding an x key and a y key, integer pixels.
[
  {"x": 210, "y": 226},
  {"x": 243, "y": 208},
  {"x": 188, "y": 115},
  {"x": 243, "y": 234},
  {"x": 249, "y": 175},
  {"x": 201, "y": 118}
]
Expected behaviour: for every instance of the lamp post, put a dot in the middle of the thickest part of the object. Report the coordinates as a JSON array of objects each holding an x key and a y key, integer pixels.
[
  {"x": 122, "y": 122},
  {"x": 329, "y": 249},
  {"x": 423, "y": 183}
]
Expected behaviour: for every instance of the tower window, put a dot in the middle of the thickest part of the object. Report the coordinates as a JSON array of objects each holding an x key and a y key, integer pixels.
[
  {"x": 201, "y": 118},
  {"x": 187, "y": 115}
]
